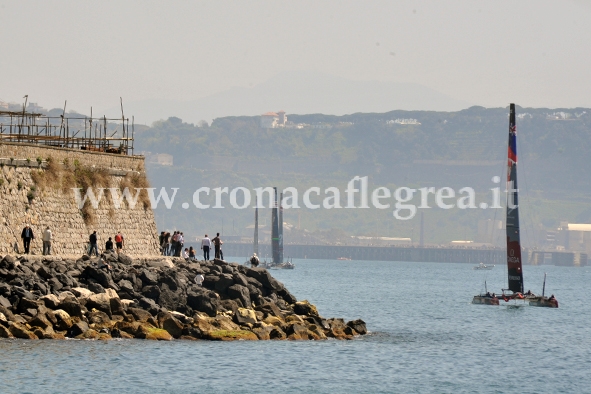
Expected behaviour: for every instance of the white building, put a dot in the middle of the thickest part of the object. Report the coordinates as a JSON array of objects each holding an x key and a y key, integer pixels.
[{"x": 273, "y": 120}]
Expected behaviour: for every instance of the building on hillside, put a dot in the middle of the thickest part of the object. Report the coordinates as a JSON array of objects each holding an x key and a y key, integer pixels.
[
  {"x": 574, "y": 237},
  {"x": 163, "y": 159},
  {"x": 273, "y": 120}
]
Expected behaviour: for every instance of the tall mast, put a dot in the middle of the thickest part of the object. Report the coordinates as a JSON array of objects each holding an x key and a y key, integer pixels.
[
  {"x": 275, "y": 231},
  {"x": 256, "y": 227},
  {"x": 514, "y": 268},
  {"x": 281, "y": 228}
]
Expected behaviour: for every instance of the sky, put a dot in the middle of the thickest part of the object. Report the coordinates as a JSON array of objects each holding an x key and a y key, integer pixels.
[{"x": 489, "y": 53}]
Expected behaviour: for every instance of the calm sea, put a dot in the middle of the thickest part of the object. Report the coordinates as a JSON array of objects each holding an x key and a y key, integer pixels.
[{"x": 426, "y": 337}]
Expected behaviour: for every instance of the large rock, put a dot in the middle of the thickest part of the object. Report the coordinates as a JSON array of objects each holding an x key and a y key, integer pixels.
[
  {"x": 78, "y": 328},
  {"x": 149, "y": 278},
  {"x": 5, "y": 332},
  {"x": 101, "y": 276},
  {"x": 265, "y": 278},
  {"x": 305, "y": 308},
  {"x": 171, "y": 324},
  {"x": 81, "y": 292},
  {"x": 224, "y": 281},
  {"x": 99, "y": 302},
  {"x": 245, "y": 316},
  {"x": 72, "y": 307},
  {"x": 19, "y": 330},
  {"x": 4, "y": 302},
  {"x": 358, "y": 325},
  {"x": 241, "y": 293},
  {"x": 202, "y": 300},
  {"x": 270, "y": 309}
]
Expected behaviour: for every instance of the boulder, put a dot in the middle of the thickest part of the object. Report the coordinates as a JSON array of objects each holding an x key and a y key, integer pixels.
[
  {"x": 5, "y": 332},
  {"x": 125, "y": 259},
  {"x": 81, "y": 292},
  {"x": 139, "y": 314},
  {"x": 224, "y": 281},
  {"x": 269, "y": 309},
  {"x": 51, "y": 301},
  {"x": 4, "y": 302},
  {"x": 40, "y": 321},
  {"x": 95, "y": 287},
  {"x": 358, "y": 325},
  {"x": 305, "y": 308},
  {"x": 277, "y": 333},
  {"x": 265, "y": 278},
  {"x": 165, "y": 262},
  {"x": 152, "y": 292},
  {"x": 78, "y": 328},
  {"x": 203, "y": 300},
  {"x": 245, "y": 316},
  {"x": 19, "y": 330},
  {"x": 149, "y": 278},
  {"x": 100, "y": 302},
  {"x": 296, "y": 331},
  {"x": 99, "y": 321},
  {"x": 71, "y": 306},
  {"x": 117, "y": 307},
  {"x": 171, "y": 324},
  {"x": 241, "y": 293}
]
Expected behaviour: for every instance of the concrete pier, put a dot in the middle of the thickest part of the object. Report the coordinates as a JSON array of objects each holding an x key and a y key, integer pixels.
[{"x": 407, "y": 253}]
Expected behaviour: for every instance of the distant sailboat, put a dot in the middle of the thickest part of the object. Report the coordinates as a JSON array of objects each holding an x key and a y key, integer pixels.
[{"x": 514, "y": 262}]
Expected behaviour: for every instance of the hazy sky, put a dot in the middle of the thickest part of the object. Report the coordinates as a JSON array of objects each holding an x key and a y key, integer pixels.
[{"x": 489, "y": 53}]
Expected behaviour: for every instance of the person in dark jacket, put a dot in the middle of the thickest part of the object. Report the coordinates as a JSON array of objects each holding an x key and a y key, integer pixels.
[
  {"x": 109, "y": 245},
  {"x": 93, "y": 244},
  {"x": 27, "y": 236}
]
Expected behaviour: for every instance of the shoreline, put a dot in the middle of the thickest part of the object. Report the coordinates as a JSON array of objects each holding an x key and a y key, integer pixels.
[{"x": 154, "y": 297}]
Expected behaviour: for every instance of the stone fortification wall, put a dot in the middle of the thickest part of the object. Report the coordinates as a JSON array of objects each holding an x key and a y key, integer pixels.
[{"x": 24, "y": 202}]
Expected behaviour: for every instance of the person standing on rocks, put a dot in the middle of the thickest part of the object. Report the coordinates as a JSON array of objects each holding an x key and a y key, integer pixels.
[
  {"x": 109, "y": 245},
  {"x": 93, "y": 244},
  {"x": 217, "y": 243},
  {"x": 27, "y": 236},
  {"x": 254, "y": 260},
  {"x": 180, "y": 244},
  {"x": 205, "y": 245},
  {"x": 119, "y": 241},
  {"x": 47, "y": 238},
  {"x": 174, "y": 243},
  {"x": 166, "y": 244}
]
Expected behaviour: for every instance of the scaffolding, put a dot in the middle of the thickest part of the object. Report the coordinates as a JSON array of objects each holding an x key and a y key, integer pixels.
[{"x": 75, "y": 131}]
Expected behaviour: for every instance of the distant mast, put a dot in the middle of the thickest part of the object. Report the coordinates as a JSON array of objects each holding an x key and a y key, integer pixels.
[
  {"x": 256, "y": 227},
  {"x": 515, "y": 272},
  {"x": 281, "y": 228},
  {"x": 275, "y": 231}
]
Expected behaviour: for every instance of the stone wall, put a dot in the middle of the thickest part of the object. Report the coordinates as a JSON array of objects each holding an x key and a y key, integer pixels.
[{"x": 58, "y": 209}]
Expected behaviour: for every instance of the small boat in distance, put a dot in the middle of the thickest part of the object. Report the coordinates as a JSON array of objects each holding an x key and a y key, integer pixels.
[
  {"x": 344, "y": 258},
  {"x": 483, "y": 266}
]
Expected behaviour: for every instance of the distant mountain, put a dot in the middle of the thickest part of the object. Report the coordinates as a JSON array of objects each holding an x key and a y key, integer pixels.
[{"x": 298, "y": 92}]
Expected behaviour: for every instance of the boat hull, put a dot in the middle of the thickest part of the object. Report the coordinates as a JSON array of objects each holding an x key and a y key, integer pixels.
[
  {"x": 544, "y": 303},
  {"x": 483, "y": 300}
]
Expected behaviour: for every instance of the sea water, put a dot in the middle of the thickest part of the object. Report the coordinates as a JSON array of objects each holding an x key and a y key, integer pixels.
[{"x": 426, "y": 337}]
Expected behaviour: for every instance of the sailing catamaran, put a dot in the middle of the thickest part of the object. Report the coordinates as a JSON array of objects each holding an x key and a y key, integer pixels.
[{"x": 514, "y": 266}]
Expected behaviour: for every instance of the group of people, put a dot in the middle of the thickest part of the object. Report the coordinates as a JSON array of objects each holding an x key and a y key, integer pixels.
[
  {"x": 93, "y": 243},
  {"x": 172, "y": 245},
  {"x": 27, "y": 236}
]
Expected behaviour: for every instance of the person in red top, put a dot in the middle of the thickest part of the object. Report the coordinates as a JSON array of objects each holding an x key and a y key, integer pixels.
[{"x": 119, "y": 241}]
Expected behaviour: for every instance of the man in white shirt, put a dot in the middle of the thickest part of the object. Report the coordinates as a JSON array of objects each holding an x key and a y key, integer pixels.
[
  {"x": 205, "y": 245},
  {"x": 47, "y": 238}
]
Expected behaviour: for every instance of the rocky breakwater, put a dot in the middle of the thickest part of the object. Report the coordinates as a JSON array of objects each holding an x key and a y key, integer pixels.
[{"x": 54, "y": 298}]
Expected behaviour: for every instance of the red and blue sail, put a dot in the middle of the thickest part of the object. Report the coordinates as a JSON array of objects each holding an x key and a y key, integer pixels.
[{"x": 514, "y": 264}]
